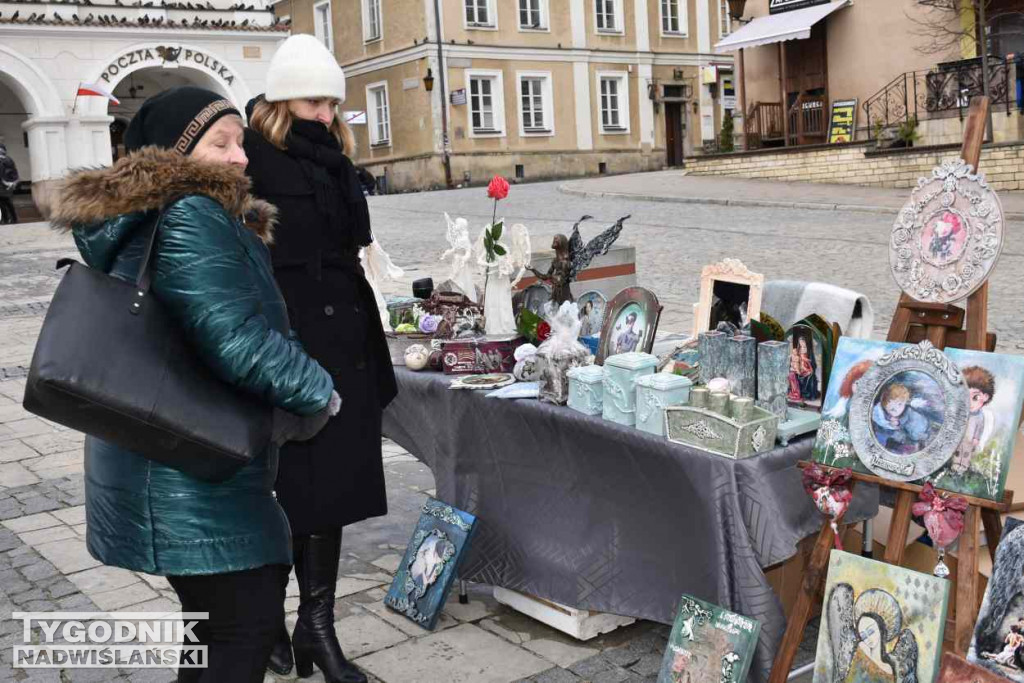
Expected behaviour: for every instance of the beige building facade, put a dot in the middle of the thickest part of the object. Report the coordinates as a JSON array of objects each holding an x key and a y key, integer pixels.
[{"x": 531, "y": 89}]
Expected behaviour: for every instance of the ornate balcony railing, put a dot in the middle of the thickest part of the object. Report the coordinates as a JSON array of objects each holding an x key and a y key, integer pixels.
[{"x": 946, "y": 88}]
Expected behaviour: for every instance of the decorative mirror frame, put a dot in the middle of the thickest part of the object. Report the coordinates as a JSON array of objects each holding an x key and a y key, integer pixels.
[
  {"x": 727, "y": 270},
  {"x": 928, "y": 360},
  {"x": 952, "y": 188},
  {"x": 652, "y": 314}
]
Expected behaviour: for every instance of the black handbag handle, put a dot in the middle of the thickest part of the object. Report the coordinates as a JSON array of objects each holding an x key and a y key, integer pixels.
[{"x": 145, "y": 277}]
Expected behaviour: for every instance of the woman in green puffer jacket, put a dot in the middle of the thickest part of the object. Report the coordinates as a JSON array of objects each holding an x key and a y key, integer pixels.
[{"x": 224, "y": 547}]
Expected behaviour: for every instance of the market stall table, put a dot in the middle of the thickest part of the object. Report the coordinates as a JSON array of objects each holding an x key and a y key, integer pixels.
[{"x": 608, "y": 518}]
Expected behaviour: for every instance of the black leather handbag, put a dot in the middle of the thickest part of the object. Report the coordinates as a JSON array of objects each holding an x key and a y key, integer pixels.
[{"x": 110, "y": 362}]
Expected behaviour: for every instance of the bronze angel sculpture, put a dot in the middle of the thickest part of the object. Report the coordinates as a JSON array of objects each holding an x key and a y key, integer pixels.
[
  {"x": 572, "y": 257},
  {"x": 867, "y": 640}
]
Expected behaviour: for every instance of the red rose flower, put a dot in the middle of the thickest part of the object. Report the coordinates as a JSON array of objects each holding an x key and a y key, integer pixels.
[
  {"x": 543, "y": 331},
  {"x": 498, "y": 188}
]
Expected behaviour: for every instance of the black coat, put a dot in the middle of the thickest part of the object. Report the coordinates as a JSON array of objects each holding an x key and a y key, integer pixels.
[{"x": 337, "y": 478}]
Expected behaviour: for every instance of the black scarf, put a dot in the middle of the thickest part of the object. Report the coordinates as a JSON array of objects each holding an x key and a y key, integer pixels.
[{"x": 320, "y": 155}]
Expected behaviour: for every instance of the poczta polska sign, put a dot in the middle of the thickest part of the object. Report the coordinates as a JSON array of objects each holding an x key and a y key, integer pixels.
[{"x": 167, "y": 55}]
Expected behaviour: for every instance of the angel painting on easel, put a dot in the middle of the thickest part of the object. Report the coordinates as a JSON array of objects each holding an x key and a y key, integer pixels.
[{"x": 572, "y": 257}]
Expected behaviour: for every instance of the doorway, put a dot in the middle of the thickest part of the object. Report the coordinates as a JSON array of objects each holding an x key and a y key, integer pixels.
[{"x": 675, "y": 133}]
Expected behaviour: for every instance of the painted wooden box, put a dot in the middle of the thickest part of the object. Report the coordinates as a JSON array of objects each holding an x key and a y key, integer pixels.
[
  {"x": 656, "y": 392},
  {"x": 621, "y": 372},
  {"x": 480, "y": 355},
  {"x": 586, "y": 389},
  {"x": 738, "y": 430}
]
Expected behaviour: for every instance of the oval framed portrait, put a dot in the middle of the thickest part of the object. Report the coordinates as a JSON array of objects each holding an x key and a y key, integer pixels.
[
  {"x": 908, "y": 413},
  {"x": 946, "y": 239},
  {"x": 592, "y": 305}
]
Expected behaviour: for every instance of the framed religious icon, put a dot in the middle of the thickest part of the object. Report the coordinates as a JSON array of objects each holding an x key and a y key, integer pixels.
[
  {"x": 630, "y": 322},
  {"x": 730, "y": 297},
  {"x": 592, "y": 305},
  {"x": 427, "y": 571},
  {"x": 946, "y": 239},
  {"x": 908, "y": 413}
]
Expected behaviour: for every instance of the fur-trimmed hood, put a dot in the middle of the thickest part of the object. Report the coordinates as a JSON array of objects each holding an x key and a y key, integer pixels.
[{"x": 149, "y": 179}]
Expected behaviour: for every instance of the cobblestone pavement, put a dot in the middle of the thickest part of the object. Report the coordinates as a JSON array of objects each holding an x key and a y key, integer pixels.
[{"x": 43, "y": 561}]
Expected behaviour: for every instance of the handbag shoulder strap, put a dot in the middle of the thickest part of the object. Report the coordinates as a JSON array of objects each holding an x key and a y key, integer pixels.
[{"x": 145, "y": 276}]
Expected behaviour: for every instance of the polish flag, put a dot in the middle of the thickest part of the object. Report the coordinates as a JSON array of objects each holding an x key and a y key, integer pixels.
[{"x": 93, "y": 90}]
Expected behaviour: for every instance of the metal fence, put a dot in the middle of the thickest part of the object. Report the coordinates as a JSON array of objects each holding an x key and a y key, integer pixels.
[{"x": 946, "y": 88}]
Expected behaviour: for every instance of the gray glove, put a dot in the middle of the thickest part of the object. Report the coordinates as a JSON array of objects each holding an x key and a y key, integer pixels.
[{"x": 291, "y": 427}]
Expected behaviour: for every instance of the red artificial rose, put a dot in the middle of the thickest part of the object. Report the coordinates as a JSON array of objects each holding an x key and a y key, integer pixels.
[
  {"x": 497, "y": 188},
  {"x": 543, "y": 331}
]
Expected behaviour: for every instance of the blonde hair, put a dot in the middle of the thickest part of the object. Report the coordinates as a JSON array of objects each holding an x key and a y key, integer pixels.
[
  {"x": 895, "y": 392},
  {"x": 273, "y": 120}
]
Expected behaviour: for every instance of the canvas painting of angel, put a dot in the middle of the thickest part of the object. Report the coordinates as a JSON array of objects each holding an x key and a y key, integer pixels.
[
  {"x": 998, "y": 643},
  {"x": 880, "y": 623},
  {"x": 906, "y": 412},
  {"x": 708, "y": 644}
]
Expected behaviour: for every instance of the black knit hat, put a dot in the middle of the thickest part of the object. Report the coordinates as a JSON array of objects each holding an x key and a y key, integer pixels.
[{"x": 176, "y": 119}]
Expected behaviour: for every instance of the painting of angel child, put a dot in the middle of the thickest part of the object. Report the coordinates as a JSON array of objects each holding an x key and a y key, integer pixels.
[
  {"x": 907, "y": 412},
  {"x": 982, "y": 387}
]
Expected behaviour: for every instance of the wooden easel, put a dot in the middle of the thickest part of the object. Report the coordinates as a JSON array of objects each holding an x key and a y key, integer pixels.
[{"x": 940, "y": 324}]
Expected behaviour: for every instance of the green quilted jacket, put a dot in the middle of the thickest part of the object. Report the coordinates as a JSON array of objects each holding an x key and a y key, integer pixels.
[{"x": 212, "y": 273}]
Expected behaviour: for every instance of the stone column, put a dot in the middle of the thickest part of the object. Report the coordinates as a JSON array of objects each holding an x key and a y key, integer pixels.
[{"x": 47, "y": 147}]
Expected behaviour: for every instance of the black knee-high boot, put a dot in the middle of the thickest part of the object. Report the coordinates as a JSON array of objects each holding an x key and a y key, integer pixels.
[
  {"x": 314, "y": 640},
  {"x": 281, "y": 661}
]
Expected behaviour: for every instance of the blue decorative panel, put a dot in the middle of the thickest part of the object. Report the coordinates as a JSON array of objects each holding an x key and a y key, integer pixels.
[{"x": 425, "y": 576}]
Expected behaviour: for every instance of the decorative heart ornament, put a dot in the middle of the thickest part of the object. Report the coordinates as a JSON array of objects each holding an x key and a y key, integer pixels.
[
  {"x": 830, "y": 491},
  {"x": 943, "y": 518}
]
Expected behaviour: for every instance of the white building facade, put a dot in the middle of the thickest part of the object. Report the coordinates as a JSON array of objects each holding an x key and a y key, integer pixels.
[{"x": 48, "y": 49}]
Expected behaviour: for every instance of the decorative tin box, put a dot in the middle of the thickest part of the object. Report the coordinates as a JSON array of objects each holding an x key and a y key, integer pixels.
[
  {"x": 481, "y": 354},
  {"x": 586, "y": 389},
  {"x": 656, "y": 392},
  {"x": 621, "y": 373},
  {"x": 738, "y": 430}
]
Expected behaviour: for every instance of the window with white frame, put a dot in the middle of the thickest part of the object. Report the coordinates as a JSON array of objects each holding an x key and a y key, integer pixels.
[
  {"x": 613, "y": 89},
  {"x": 486, "y": 104},
  {"x": 724, "y": 20},
  {"x": 480, "y": 13},
  {"x": 378, "y": 112},
  {"x": 536, "y": 115},
  {"x": 672, "y": 17},
  {"x": 533, "y": 15},
  {"x": 608, "y": 15},
  {"x": 322, "y": 24},
  {"x": 371, "y": 20}
]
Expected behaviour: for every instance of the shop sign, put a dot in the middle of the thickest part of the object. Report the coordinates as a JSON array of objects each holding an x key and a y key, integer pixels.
[
  {"x": 728, "y": 92},
  {"x": 166, "y": 54},
  {"x": 842, "y": 125},
  {"x": 354, "y": 118},
  {"x": 459, "y": 96},
  {"x": 778, "y": 6}
]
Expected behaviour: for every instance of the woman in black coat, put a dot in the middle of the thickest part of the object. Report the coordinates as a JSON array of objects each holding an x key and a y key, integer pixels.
[{"x": 296, "y": 147}]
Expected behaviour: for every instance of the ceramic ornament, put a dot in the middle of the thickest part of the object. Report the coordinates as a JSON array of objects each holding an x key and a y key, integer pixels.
[
  {"x": 943, "y": 518},
  {"x": 416, "y": 357},
  {"x": 947, "y": 238},
  {"x": 830, "y": 491}
]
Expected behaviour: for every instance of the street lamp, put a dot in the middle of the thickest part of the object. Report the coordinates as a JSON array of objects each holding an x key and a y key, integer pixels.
[
  {"x": 428, "y": 81},
  {"x": 736, "y": 8}
]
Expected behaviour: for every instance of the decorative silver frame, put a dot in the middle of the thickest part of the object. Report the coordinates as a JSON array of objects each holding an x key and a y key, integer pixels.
[
  {"x": 953, "y": 187},
  {"x": 928, "y": 360}
]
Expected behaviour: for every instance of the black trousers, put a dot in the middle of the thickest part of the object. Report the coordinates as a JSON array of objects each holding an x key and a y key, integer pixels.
[{"x": 246, "y": 612}]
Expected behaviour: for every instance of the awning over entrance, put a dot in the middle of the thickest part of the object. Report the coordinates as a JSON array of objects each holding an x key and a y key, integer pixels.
[{"x": 776, "y": 28}]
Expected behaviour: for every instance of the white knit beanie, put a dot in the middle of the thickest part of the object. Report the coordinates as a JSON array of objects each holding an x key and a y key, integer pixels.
[{"x": 302, "y": 67}]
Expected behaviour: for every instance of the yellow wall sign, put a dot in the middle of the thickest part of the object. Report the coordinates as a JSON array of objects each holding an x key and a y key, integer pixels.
[{"x": 843, "y": 123}]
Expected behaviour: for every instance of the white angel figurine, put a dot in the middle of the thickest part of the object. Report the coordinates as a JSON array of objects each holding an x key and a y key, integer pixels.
[
  {"x": 461, "y": 252},
  {"x": 501, "y": 261},
  {"x": 379, "y": 267}
]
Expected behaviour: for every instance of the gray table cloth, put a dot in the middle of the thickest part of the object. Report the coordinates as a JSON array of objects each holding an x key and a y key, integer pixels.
[{"x": 603, "y": 517}]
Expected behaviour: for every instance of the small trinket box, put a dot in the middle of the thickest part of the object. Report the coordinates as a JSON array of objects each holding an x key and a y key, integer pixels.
[
  {"x": 621, "y": 373},
  {"x": 586, "y": 389},
  {"x": 656, "y": 392},
  {"x": 480, "y": 355}
]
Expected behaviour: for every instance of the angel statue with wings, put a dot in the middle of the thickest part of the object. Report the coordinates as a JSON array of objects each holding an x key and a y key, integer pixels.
[
  {"x": 572, "y": 257},
  {"x": 461, "y": 252},
  {"x": 501, "y": 261},
  {"x": 867, "y": 638}
]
